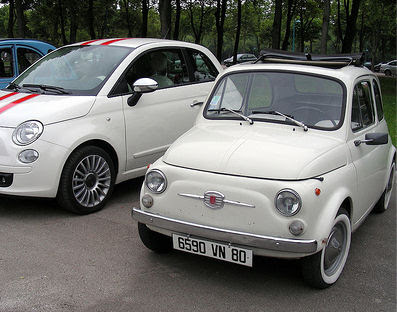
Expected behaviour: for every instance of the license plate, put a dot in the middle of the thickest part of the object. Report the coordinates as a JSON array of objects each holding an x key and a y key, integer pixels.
[{"x": 212, "y": 249}]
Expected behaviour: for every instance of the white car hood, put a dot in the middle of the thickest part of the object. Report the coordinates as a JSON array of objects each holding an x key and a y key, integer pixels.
[
  {"x": 19, "y": 107},
  {"x": 261, "y": 152}
]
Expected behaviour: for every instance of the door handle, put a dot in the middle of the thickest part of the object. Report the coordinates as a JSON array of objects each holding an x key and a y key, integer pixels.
[{"x": 195, "y": 103}]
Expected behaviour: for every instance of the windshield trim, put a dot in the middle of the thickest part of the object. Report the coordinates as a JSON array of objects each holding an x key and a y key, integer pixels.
[
  {"x": 89, "y": 92},
  {"x": 285, "y": 122}
]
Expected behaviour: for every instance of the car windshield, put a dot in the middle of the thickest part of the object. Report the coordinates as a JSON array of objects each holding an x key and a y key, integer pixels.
[
  {"x": 314, "y": 101},
  {"x": 77, "y": 70}
]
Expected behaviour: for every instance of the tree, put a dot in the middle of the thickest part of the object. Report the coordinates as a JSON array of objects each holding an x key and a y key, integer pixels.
[
  {"x": 236, "y": 42},
  {"x": 165, "y": 18},
  {"x": 290, "y": 13},
  {"x": 197, "y": 11},
  {"x": 90, "y": 19},
  {"x": 145, "y": 13},
  {"x": 276, "y": 32},
  {"x": 177, "y": 19},
  {"x": 324, "y": 30},
  {"x": 220, "y": 15},
  {"x": 351, "y": 19},
  {"x": 21, "y": 22},
  {"x": 10, "y": 26}
]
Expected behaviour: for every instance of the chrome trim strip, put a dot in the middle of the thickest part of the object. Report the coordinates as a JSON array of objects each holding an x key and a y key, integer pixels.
[
  {"x": 229, "y": 236},
  {"x": 226, "y": 201},
  {"x": 157, "y": 150}
]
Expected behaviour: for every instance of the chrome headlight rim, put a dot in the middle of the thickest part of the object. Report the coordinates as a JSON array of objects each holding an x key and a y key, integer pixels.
[
  {"x": 162, "y": 176},
  {"x": 293, "y": 192},
  {"x": 15, "y": 135}
]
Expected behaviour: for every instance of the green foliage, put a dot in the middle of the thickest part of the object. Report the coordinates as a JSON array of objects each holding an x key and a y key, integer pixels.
[{"x": 389, "y": 95}]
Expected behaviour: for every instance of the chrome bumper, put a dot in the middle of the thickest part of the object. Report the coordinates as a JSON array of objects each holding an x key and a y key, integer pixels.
[{"x": 229, "y": 236}]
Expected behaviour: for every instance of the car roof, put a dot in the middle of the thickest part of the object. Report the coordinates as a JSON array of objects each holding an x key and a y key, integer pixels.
[
  {"x": 346, "y": 73},
  {"x": 133, "y": 42},
  {"x": 38, "y": 44}
]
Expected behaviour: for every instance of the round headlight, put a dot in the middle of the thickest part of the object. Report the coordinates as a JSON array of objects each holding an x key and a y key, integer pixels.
[
  {"x": 27, "y": 132},
  {"x": 288, "y": 202},
  {"x": 156, "y": 181}
]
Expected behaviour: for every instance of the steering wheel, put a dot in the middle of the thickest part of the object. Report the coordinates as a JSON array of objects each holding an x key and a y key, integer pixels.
[{"x": 308, "y": 108}]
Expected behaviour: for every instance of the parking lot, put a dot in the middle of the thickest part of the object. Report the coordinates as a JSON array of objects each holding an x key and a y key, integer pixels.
[{"x": 51, "y": 260}]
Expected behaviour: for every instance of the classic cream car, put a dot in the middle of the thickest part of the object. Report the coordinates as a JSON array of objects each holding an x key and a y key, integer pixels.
[
  {"x": 287, "y": 158},
  {"x": 96, "y": 113}
]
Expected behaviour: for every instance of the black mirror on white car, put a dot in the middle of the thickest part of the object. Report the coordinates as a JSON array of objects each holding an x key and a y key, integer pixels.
[
  {"x": 373, "y": 139},
  {"x": 145, "y": 85}
]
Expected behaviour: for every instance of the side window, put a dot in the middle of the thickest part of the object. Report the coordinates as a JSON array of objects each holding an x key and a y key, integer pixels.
[
  {"x": 362, "y": 108},
  {"x": 378, "y": 101},
  {"x": 203, "y": 69},
  {"x": 6, "y": 63},
  {"x": 167, "y": 67},
  {"x": 26, "y": 57}
]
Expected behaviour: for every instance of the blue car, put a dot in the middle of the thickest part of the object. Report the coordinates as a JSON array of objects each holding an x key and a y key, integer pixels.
[{"x": 18, "y": 54}]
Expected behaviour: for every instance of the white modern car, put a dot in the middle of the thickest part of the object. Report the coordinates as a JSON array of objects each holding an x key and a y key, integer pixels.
[
  {"x": 96, "y": 113},
  {"x": 286, "y": 159}
]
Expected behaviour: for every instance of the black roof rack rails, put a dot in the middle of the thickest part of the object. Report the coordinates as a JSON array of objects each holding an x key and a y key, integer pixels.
[{"x": 330, "y": 61}]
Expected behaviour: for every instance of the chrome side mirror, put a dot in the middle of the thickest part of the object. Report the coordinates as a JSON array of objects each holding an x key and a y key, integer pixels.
[{"x": 145, "y": 85}]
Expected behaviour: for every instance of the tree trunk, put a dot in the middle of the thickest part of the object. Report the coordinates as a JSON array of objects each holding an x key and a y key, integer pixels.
[
  {"x": 62, "y": 18},
  {"x": 276, "y": 31},
  {"x": 350, "y": 31},
  {"x": 361, "y": 35},
  {"x": 127, "y": 16},
  {"x": 236, "y": 42},
  {"x": 145, "y": 13},
  {"x": 90, "y": 18},
  {"x": 290, "y": 14},
  {"x": 10, "y": 26},
  {"x": 324, "y": 30},
  {"x": 73, "y": 22},
  {"x": 220, "y": 15},
  {"x": 20, "y": 18},
  {"x": 177, "y": 19},
  {"x": 339, "y": 29},
  {"x": 301, "y": 32},
  {"x": 165, "y": 18}
]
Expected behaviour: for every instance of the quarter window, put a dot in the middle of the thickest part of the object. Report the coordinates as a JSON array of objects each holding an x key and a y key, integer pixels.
[
  {"x": 26, "y": 57},
  {"x": 378, "y": 101},
  {"x": 203, "y": 69},
  {"x": 6, "y": 63},
  {"x": 362, "y": 107}
]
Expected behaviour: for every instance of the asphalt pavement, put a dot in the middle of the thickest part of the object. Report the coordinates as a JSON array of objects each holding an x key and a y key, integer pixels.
[{"x": 51, "y": 260}]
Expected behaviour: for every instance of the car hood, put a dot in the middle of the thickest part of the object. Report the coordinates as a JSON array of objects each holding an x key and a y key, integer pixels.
[
  {"x": 258, "y": 151},
  {"x": 16, "y": 108}
]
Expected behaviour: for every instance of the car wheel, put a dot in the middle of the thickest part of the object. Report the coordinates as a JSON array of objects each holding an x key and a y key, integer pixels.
[
  {"x": 154, "y": 241},
  {"x": 323, "y": 269},
  {"x": 87, "y": 180},
  {"x": 387, "y": 72},
  {"x": 383, "y": 203}
]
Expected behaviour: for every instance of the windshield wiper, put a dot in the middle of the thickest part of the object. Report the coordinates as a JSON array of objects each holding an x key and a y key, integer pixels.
[
  {"x": 299, "y": 123},
  {"x": 46, "y": 87},
  {"x": 13, "y": 86},
  {"x": 236, "y": 112},
  {"x": 269, "y": 113}
]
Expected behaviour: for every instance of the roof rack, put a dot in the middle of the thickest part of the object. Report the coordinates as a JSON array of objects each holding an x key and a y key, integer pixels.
[{"x": 330, "y": 61}]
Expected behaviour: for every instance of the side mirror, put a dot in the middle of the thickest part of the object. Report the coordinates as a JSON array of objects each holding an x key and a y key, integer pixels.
[
  {"x": 141, "y": 86},
  {"x": 145, "y": 85},
  {"x": 373, "y": 139}
]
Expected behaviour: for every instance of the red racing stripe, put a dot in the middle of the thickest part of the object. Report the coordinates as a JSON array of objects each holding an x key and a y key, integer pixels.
[
  {"x": 89, "y": 42},
  {"x": 114, "y": 40},
  {"x": 8, "y": 95},
  {"x": 12, "y": 104}
]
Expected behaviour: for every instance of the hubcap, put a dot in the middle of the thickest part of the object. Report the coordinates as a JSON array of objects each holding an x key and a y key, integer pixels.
[
  {"x": 91, "y": 181},
  {"x": 335, "y": 248}
]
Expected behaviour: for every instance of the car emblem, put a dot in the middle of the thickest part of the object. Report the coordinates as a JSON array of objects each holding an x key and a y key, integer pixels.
[{"x": 214, "y": 200}]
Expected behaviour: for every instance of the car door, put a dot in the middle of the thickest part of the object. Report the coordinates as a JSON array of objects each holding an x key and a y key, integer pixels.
[
  {"x": 157, "y": 119},
  {"x": 7, "y": 65},
  {"x": 26, "y": 57},
  {"x": 369, "y": 160}
]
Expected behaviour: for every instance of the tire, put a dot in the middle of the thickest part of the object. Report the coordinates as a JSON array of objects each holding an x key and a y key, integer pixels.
[
  {"x": 323, "y": 269},
  {"x": 156, "y": 242},
  {"x": 387, "y": 72},
  {"x": 383, "y": 203},
  {"x": 87, "y": 180}
]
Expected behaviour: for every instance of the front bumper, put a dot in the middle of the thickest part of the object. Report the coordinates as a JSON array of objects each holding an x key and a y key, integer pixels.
[{"x": 230, "y": 236}]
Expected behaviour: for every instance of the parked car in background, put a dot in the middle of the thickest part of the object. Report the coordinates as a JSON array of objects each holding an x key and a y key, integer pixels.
[
  {"x": 368, "y": 64},
  {"x": 241, "y": 58},
  {"x": 377, "y": 67},
  {"x": 389, "y": 68},
  {"x": 96, "y": 113},
  {"x": 286, "y": 159},
  {"x": 18, "y": 54}
]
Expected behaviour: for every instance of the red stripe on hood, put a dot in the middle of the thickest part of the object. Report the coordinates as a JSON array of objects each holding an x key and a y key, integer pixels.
[
  {"x": 91, "y": 41},
  {"x": 114, "y": 40},
  {"x": 12, "y": 104},
  {"x": 8, "y": 95}
]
